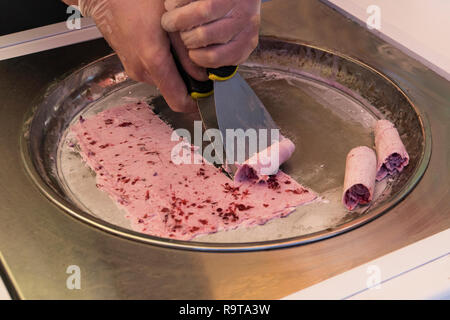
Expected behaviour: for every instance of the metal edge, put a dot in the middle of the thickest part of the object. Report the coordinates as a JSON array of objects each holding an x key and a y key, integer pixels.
[
  {"x": 238, "y": 247},
  {"x": 9, "y": 280}
]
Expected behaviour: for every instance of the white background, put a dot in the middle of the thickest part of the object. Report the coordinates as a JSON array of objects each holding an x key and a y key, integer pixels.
[{"x": 421, "y": 26}]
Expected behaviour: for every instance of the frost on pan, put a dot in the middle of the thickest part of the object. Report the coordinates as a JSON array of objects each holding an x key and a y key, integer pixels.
[{"x": 130, "y": 148}]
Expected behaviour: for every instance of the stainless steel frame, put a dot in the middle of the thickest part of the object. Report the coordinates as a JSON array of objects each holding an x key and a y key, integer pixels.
[
  {"x": 39, "y": 242},
  {"x": 73, "y": 95}
]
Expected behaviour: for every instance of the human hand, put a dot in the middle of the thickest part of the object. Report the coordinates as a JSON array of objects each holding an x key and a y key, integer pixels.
[
  {"x": 133, "y": 29},
  {"x": 216, "y": 32}
]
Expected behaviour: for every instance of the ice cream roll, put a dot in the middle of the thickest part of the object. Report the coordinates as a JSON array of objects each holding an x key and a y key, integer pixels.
[
  {"x": 391, "y": 153},
  {"x": 360, "y": 172},
  {"x": 265, "y": 163}
]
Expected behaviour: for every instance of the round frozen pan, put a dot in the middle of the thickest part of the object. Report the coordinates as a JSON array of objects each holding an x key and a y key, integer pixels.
[{"x": 324, "y": 102}]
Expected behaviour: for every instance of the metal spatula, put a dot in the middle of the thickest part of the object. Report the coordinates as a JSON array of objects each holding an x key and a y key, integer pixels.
[{"x": 236, "y": 107}]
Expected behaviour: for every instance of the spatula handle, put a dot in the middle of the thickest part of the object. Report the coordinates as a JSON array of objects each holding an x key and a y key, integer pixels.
[
  {"x": 222, "y": 73},
  {"x": 196, "y": 89},
  {"x": 202, "y": 89}
]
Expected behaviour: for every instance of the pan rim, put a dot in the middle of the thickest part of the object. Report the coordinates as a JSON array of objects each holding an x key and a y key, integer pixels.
[{"x": 128, "y": 234}]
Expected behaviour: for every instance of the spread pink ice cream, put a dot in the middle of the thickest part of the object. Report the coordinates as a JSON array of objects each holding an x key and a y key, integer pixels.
[{"x": 130, "y": 149}]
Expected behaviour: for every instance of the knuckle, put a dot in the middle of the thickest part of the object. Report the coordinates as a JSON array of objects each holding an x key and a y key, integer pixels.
[
  {"x": 170, "y": 5},
  {"x": 172, "y": 21},
  {"x": 212, "y": 59},
  {"x": 201, "y": 34},
  {"x": 178, "y": 24},
  {"x": 205, "y": 9},
  {"x": 168, "y": 22},
  {"x": 208, "y": 59},
  {"x": 186, "y": 37},
  {"x": 223, "y": 36}
]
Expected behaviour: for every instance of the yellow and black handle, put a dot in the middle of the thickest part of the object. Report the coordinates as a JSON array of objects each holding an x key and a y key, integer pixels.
[
  {"x": 202, "y": 89},
  {"x": 222, "y": 73}
]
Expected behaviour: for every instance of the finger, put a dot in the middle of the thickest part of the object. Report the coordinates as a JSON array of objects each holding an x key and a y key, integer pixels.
[
  {"x": 233, "y": 53},
  {"x": 216, "y": 32},
  {"x": 166, "y": 78},
  {"x": 164, "y": 73},
  {"x": 130, "y": 70},
  {"x": 191, "y": 68},
  {"x": 172, "y": 4},
  {"x": 173, "y": 89},
  {"x": 195, "y": 14}
]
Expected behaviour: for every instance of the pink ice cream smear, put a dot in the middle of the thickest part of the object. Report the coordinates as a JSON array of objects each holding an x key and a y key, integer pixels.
[{"x": 130, "y": 150}]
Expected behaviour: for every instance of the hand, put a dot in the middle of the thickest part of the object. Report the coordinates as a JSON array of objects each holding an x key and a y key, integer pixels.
[
  {"x": 216, "y": 32},
  {"x": 133, "y": 29}
]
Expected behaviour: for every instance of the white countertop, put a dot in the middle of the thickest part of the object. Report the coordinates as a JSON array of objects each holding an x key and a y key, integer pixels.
[
  {"x": 421, "y": 28},
  {"x": 418, "y": 271},
  {"x": 4, "y": 295}
]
